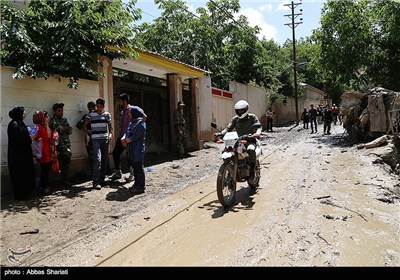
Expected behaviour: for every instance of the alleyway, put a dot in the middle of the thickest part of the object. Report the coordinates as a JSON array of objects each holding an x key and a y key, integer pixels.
[{"x": 320, "y": 203}]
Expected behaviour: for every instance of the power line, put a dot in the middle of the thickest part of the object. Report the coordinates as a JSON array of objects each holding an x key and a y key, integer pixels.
[{"x": 148, "y": 14}]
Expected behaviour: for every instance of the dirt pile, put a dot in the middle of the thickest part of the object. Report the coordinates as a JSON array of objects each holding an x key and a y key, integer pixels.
[{"x": 374, "y": 116}]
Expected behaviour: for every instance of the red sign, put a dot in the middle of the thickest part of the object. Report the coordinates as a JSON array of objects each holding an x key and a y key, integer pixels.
[{"x": 221, "y": 93}]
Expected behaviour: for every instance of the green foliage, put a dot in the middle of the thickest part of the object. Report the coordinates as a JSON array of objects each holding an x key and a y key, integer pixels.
[
  {"x": 214, "y": 39},
  {"x": 360, "y": 43},
  {"x": 65, "y": 38}
]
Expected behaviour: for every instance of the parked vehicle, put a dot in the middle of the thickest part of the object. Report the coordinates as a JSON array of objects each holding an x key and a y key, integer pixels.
[{"x": 236, "y": 164}]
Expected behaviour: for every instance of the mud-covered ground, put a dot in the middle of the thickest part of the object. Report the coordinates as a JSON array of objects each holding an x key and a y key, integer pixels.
[{"x": 320, "y": 203}]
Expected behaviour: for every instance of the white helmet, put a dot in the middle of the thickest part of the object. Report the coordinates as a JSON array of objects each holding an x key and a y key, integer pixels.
[{"x": 240, "y": 105}]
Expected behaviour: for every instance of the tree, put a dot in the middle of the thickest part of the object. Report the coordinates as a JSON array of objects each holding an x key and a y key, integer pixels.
[
  {"x": 220, "y": 42},
  {"x": 65, "y": 38},
  {"x": 360, "y": 42},
  {"x": 386, "y": 67}
]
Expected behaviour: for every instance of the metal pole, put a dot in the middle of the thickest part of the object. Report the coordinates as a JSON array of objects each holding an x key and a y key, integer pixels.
[
  {"x": 293, "y": 25},
  {"x": 296, "y": 102}
]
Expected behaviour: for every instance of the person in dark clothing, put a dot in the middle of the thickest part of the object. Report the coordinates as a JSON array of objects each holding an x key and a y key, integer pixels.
[
  {"x": 125, "y": 107},
  {"x": 91, "y": 106},
  {"x": 305, "y": 118},
  {"x": 327, "y": 119},
  {"x": 60, "y": 124},
  {"x": 135, "y": 139},
  {"x": 20, "y": 158},
  {"x": 180, "y": 131},
  {"x": 312, "y": 115},
  {"x": 269, "y": 115}
]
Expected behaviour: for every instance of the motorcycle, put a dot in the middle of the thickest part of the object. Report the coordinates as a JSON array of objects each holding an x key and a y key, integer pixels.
[{"x": 236, "y": 164}]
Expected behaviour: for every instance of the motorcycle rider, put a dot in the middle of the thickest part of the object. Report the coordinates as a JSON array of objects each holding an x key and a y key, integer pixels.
[{"x": 242, "y": 123}]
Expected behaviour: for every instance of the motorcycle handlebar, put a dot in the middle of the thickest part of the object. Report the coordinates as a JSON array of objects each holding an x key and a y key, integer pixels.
[
  {"x": 218, "y": 136},
  {"x": 247, "y": 137}
]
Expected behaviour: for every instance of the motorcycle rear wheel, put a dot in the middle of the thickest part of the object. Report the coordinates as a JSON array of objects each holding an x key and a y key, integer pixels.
[{"x": 226, "y": 184}]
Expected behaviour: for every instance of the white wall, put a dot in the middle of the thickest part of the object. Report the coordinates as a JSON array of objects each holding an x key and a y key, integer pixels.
[
  {"x": 41, "y": 94},
  {"x": 222, "y": 110},
  {"x": 240, "y": 91},
  {"x": 254, "y": 95},
  {"x": 204, "y": 108},
  {"x": 258, "y": 100}
]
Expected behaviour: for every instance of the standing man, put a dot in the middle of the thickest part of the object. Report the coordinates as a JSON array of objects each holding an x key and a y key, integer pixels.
[
  {"x": 312, "y": 113},
  {"x": 269, "y": 116},
  {"x": 305, "y": 118},
  {"x": 335, "y": 113},
  {"x": 327, "y": 119},
  {"x": 101, "y": 133},
  {"x": 126, "y": 117},
  {"x": 91, "y": 106},
  {"x": 180, "y": 133},
  {"x": 61, "y": 125}
]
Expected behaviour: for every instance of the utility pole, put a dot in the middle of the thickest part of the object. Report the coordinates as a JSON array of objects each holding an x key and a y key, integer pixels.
[{"x": 293, "y": 25}]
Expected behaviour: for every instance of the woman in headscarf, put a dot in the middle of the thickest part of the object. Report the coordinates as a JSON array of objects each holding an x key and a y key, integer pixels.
[
  {"x": 135, "y": 138},
  {"x": 44, "y": 132},
  {"x": 20, "y": 159}
]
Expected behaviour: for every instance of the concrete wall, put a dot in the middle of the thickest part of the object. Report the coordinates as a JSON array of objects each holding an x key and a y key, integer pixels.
[
  {"x": 258, "y": 100},
  {"x": 312, "y": 96},
  {"x": 222, "y": 110},
  {"x": 286, "y": 112},
  {"x": 254, "y": 95},
  {"x": 41, "y": 94},
  {"x": 204, "y": 109}
]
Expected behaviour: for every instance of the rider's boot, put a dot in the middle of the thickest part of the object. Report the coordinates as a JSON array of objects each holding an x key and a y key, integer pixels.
[{"x": 252, "y": 170}]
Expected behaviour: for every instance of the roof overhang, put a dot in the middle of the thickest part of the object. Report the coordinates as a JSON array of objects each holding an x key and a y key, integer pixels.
[
  {"x": 316, "y": 90},
  {"x": 156, "y": 65}
]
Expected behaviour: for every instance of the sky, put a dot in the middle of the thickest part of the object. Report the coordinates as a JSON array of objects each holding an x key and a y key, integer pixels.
[{"x": 269, "y": 15}]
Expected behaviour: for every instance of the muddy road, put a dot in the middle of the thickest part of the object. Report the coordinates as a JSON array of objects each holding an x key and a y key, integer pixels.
[{"x": 320, "y": 203}]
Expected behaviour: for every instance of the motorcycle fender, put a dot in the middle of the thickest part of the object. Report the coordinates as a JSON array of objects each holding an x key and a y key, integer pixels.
[
  {"x": 251, "y": 147},
  {"x": 256, "y": 147},
  {"x": 226, "y": 155},
  {"x": 258, "y": 151}
]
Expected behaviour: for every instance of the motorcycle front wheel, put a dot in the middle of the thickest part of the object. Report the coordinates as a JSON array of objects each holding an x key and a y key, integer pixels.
[
  {"x": 253, "y": 182},
  {"x": 226, "y": 184}
]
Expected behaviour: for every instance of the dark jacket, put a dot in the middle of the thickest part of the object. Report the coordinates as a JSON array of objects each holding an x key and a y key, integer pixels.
[
  {"x": 136, "y": 132},
  {"x": 20, "y": 157}
]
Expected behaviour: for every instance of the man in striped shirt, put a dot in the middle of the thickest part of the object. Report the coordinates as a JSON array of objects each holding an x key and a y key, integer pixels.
[{"x": 101, "y": 133}]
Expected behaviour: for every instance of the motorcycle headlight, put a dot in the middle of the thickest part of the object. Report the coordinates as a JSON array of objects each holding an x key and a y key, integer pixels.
[{"x": 230, "y": 143}]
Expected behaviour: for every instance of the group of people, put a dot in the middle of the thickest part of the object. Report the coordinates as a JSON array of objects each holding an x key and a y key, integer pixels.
[
  {"x": 55, "y": 147},
  {"x": 54, "y": 150},
  {"x": 326, "y": 113},
  {"x": 98, "y": 131}
]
